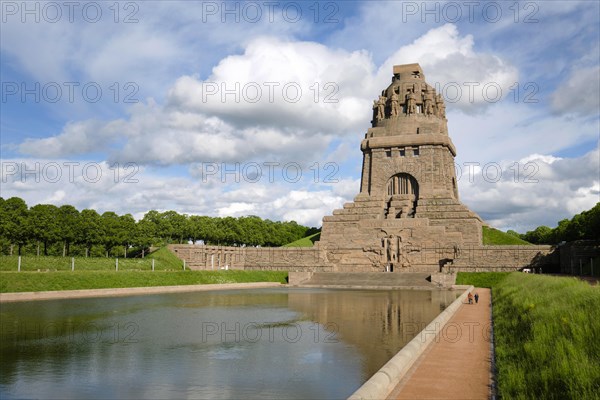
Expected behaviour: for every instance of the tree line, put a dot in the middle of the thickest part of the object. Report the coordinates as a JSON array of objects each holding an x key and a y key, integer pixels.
[
  {"x": 50, "y": 230},
  {"x": 583, "y": 226}
]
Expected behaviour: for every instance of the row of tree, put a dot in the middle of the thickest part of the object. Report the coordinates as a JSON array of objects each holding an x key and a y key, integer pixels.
[
  {"x": 583, "y": 226},
  {"x": 48, "y": 229}
]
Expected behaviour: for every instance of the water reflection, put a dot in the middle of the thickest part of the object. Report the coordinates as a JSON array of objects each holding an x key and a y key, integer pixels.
[
  {"x": 267, "y": 343},
  {"x": 378, "y": 323}
]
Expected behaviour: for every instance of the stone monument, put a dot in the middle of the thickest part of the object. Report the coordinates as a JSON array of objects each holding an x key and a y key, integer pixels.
[{"x": 407, "y": 216}]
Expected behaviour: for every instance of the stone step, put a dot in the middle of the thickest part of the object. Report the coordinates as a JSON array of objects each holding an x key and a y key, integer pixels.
[
  {"x": 446, "y": 215},
  {"x": 371, "y": 279}
]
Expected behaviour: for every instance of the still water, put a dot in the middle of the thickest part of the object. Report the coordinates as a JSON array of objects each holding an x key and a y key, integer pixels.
[{"x": 262, "y": 343}]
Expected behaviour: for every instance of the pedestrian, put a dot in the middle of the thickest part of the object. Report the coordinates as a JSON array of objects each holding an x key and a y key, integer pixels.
[
  {"x": 470, "y": 298},
  {"x": 476, "y": 297}
]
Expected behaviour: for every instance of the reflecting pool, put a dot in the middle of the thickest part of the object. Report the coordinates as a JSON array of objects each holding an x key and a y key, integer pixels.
[{"x": 275, "y": 343}]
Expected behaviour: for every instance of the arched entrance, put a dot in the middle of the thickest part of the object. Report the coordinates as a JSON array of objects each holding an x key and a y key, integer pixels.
[{"x": 402, "y": 196}]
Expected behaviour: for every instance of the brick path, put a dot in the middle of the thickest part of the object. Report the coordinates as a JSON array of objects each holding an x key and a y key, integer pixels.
[{"x": 458, "y": 366}]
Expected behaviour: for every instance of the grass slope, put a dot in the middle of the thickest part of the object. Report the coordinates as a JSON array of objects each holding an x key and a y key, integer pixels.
[
  {"x": 492, "y": 236},
  {"x": 546, "y": 335},
  {"x": 63, "y": 280},
  {"x": 481, "y": 279},
  {"x": 307, "y": 241}
]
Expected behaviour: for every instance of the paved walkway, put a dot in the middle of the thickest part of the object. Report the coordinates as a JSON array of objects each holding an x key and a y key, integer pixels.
[{"x": 458, "y": 365}]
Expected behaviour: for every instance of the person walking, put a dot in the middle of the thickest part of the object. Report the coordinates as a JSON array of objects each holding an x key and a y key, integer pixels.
[
  {"x": 470, "y": 297},
  {"x": 476, "y": 297}
]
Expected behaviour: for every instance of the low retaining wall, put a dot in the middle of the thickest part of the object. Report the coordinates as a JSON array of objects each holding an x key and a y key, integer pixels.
[
  {"x": 297, "y": 278},
  {"x": 317, "y": 259},
  {"x": 199, "y": 257},
  {"x": 137, "y": 291},
  {"x": 383, "y": 382},
  {"x": 503, "y": 258}
]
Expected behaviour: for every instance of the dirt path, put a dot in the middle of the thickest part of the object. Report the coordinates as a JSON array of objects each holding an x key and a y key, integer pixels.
[{"x": 458, "y": 364}]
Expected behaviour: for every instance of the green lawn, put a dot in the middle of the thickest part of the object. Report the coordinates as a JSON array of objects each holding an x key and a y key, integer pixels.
[
  {"x": 99, "y": 272},
  {"x": 307, "y": 241},
  {"x": 164, "y": 260},
  {"x": 67, "y": 280},
  {"x": 546, "y": 335},
  {"x": 492, "y": 236}
]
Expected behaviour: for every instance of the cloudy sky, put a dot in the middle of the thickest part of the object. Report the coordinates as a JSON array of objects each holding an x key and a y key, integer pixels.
[{"x": 258, "y": 108}]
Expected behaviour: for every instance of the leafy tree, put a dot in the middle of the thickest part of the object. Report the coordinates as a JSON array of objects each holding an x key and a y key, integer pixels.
[
  {"x": 145, "y": 233},
  {"x": 203, "y": 228},
  {"x": 112, "y": 236},
  {"x": 172, "y": 225},
  {"x": 151, "y": 221},
  {"x": 43, "y": 220},
  {"x": 541, "y": 235},
  {"x": 91, "y": 230},
  {"x": 583, "y": 226},
  {"x": 69, "y": 226},
  {"x": 14, "y": 223},
  {"x": 591, "y": 228},
  {"x": 127, "y": 231}
]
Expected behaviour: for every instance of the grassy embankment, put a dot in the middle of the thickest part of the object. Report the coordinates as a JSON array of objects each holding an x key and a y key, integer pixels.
[
  {"x": 99, "y": 273},
  {"x": 307, "y": 241},
  {"x": 492, "y": 236},
  {"x": 546, "y": 335}
]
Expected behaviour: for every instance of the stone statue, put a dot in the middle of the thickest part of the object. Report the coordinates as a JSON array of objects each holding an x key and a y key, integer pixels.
[
  {"x": 374, "y": 112},
  {"x": 428, "y": 102},
  {"x": 392, "y": 249},
  {"x": 441, "y": 108},
  {"x": 381, "y": 107},
  {"x": 395, "y": 104},
  {"x": 411, "y": 106},
  {"x": 457, "y": 251},
  {"x": 405, "y": 211}
]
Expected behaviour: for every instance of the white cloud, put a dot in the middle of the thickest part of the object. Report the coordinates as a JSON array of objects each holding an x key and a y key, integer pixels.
[
  {"x": 580, "y": 94},
  {"x": 250, "y": 109},
  {"x": 466, "y": 78},
  {"x": 514, "y": 130},
  {"x": 536, "y": 190},
  {"x": 304, "y": 85}
]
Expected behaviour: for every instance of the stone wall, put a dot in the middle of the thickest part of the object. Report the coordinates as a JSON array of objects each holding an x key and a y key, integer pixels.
[
  {"x": 315, "y": 259},
  {"x": 503, "y": 258},
  {"x": 199, "y": 257}
]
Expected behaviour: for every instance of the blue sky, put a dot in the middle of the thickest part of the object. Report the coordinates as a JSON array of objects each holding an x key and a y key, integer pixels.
[{"x": 259, "y": 108}]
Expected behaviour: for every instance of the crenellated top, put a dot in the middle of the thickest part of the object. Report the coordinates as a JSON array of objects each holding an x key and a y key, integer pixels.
[{"x": 408, "y": 98}]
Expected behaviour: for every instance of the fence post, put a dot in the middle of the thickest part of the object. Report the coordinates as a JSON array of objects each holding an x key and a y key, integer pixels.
[
  {"x": 117, "y": 264},
  {"x": 72, "y": 263},
  {"x": 184, "y": 265},
  {"x": 572, "y": 270},
  {"x": 19, "y": 265},
  {"x": 153, "y": 264}
]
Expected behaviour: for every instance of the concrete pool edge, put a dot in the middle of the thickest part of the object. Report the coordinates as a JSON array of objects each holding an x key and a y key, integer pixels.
[
  {"x": 135, "y": 291},
  {"x": 383, "y": 382}
]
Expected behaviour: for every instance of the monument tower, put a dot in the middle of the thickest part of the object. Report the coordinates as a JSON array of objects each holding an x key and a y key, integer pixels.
[{"x": 407, "y": 216}]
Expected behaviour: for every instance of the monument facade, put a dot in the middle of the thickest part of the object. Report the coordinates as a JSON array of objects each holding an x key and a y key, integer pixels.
[{"x": 407, "y": 215}]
